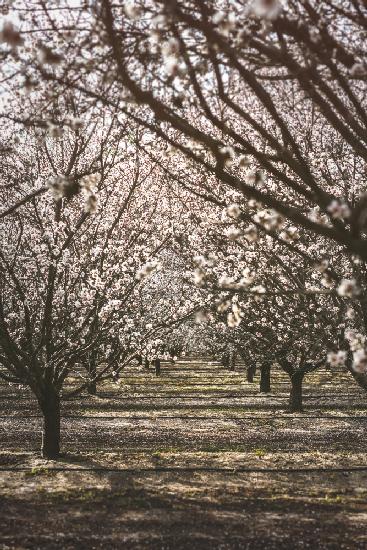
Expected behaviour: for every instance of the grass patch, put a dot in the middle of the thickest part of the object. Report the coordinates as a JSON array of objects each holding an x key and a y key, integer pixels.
[
  {"x": 260, "y": 452},
  {"x": 38, "y": 471}
]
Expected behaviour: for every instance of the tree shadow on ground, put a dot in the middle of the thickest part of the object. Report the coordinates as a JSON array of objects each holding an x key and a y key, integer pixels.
[{"x": 178, "y": 511}]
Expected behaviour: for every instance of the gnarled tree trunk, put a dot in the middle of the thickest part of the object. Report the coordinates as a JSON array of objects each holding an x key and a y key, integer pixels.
[
  {"x": 296, "y": 376},
  {"x": 50, "y": 406}
]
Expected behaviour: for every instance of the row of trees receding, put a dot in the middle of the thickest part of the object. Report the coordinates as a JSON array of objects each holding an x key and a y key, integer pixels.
[{"x": 169, "y": 162}]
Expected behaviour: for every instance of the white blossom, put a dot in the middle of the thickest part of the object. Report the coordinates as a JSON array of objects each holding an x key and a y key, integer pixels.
[
  {"x": 315, "y": 215},
  {"x": 171, "y": 48},
  {"x": 233, "y": 319},
  {"x": 322, "y": 265},
  {"x": 358, "y": 69},
  {"x": 234, "y": 210},
  {"x": 54, "y": 130},
  {"x": 199, "y": 260},
  {"x": 267, "y": 9},
  {"x": 355, "y": 339},
  {"x": 58, "y": 186},
  {"x": 247, "y": 279},
  {"x": 273, "y": 221},
  {"x": 225, "y": 22},
  {"x": 226, "y": 282},
  {"x": 199, "y": 276},
  {"x": 76, "y": 123},
  {"x": 223, "y": 306},
  {"x": 338, "y": 210},
  {"x": 243, "y": 161},
  {"x": 336, "y": 359},
  {"x": 234, "y": 233},
  {"x": 201, "y": 316},
  {"x": 327, "y": 281},
  {"x": 88, "y": 183},
  {"x": 350, "y": 313},
  {"x": 228, "y": 155},
  {"x": 91, "y": 204},
  {"x": 251, "y": 233},
  {"x": 259, "y": 289},
  {"x": 348, "y": 288},
  {"x": 132, "y": 10},
  {"x": 171, "y": 65},
  {"x": 147, "y": 269},
  {"x": 290, "y": 234},
  {"x": 250, "y": 177},
  {"x": 360, "y": 361}
]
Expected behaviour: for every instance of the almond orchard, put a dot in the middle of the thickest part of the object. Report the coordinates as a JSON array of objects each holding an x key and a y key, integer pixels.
[{"x": 184, "y": 232}]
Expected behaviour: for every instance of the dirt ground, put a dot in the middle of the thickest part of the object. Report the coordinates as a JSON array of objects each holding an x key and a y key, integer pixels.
[{"x": 197, "y": 458}]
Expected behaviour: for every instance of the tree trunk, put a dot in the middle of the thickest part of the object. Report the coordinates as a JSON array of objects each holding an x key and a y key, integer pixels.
[
  {"x": 295, "y": 397},
  {"x": 251, "y": 373},
  {"x": 360, "y": 378},
  {"x": 225, "y": 360},
  {"x": 232, "y": 361},
  {"x": 157, "y": 364},
  {"x": 146, "y": 364},
  {"x": 265, "y": 378},
  {"x": 50, "y": 406},
  {"x": 92, "y": 370}
]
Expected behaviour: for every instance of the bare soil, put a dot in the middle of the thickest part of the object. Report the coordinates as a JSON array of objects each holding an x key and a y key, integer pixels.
[{"x": 196, "y": 458}]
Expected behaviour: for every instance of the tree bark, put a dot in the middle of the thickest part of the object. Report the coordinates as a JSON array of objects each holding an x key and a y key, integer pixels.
[
  {"x": 232, "y": 361},
  {"x": 265, "y": 378},
  {"x": 92, "y": 370},
  {"x": 50, "y": 406},
  {"x": 146, "y": 363},
  {"x": 295, "y": 396},
  {"x": 157, "y": 364},
  {"x": 251, "y": 373},
  {"x": 225, "y": 360}
]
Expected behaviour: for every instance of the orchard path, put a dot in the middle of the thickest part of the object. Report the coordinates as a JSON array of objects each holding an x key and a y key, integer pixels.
[{"x": 196, "y": 458}]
